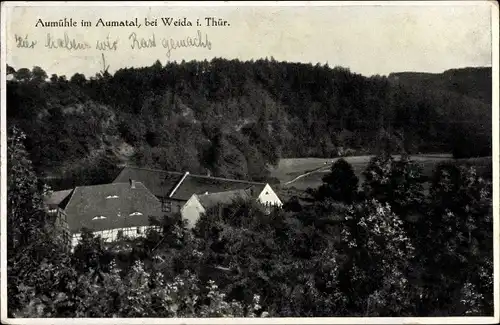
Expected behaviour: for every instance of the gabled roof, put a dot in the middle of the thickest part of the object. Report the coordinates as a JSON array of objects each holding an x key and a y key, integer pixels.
[
  {"x": 214, "y": 199},
  {"x": 110, "y": 206},
  {"x": 57, "y": 197},
  {"x": 197, "y": 184},
  {"x": 159, "y": 182},
  {"x": 180, "y": 186}
]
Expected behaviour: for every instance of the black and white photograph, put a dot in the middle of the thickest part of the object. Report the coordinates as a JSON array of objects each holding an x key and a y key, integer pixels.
[{"x": 269, "y": 162}]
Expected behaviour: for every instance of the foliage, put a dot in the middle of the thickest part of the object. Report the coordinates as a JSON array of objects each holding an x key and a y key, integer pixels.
[
  {"x": 459, "y": 222},
  {"x": 379, "y": 254},
  {"x": 45, "y": 280},
  {"x": 341, "y": 184},
  {"x": 240, "y": 116},
  {"x": 362, "y": 259},
  {"x": 31, "y": 237},
  {"x": 24, "y": 195},
  {"x": 397, "y": 182},
  {"x": 342, "y": 254},
  {"x": 90, "y": 255},
  {"x": 138, "y": 294}
]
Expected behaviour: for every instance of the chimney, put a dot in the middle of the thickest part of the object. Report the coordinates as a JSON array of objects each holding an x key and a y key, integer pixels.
[{"x": 132, "y": 183}]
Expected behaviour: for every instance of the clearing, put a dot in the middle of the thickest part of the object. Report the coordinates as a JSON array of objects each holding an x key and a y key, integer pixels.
[{"x": 302, "y": 173}]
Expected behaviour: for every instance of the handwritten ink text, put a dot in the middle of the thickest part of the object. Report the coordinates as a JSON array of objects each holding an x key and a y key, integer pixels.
[
  {"x": 66, "y": 43},
  {"x": 24, "y": 42},
  {"x": 197, "y": 41}
]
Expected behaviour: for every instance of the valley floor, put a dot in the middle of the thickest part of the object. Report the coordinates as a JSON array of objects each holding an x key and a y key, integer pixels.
[{"x": 303, "y": 173}]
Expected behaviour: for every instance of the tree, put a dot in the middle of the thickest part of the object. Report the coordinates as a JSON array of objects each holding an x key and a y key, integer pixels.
[
  {"x": 23, "y": 74},
  {"x": 267, "y": 110},
  {"x": 137, "y": 294},
  {"x": 54, "y": 78},
  {"x": 397, "y": 182},
  {"x": 24, "y": 201},
  {"x": 377, "y": 184},
  {"x": 31, "y": 239},
  {"x": 293, "y": 204},
  {"x": 378, "y": 251},
  {"x": 10, "y": 70},
  {"x": 407, "y": 191},
  {"x": 38, "y": 74},
  {"x": 78, "y": 79},
  {"x": 455, "y": 243},
  {"x": 90, "y": 256},
  {"x": 341, "y": 184}
]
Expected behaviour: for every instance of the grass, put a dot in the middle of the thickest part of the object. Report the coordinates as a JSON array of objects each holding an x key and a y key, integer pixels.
[{"x": 289, "y": 169}]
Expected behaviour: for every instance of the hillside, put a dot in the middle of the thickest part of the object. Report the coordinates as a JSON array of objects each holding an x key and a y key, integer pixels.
[
  {"x": 471, "y": 82},
  {"x": 236, "y": 118}
]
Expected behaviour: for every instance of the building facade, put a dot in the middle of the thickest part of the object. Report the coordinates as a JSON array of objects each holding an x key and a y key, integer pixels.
[
  {"x": 127, "y": 207},
  {"x": 174, "y": 189},
  {"x": 111, "y": 211},
  {"x": 198, "y": 204}
]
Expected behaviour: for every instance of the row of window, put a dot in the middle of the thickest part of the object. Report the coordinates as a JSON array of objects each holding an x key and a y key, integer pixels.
[
  {"x": 109, "y": 235},
  {"x": 131, "y": 232}
]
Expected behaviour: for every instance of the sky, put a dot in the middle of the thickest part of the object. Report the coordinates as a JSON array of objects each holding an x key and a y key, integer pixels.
[{"x": 367, "y": 39}]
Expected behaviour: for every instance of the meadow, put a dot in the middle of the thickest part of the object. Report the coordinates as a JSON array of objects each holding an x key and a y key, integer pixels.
[{"x": 303, "y": 173}]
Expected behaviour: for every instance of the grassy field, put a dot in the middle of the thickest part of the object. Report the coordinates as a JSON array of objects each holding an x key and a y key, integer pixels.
[{"x": 302, "y": 173}]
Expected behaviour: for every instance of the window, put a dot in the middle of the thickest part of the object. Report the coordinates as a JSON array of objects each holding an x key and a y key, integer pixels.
[
  {"x": 119, "y": 234},
  {"x": 166, "y": 206},
  {"x": 139, "y": 231},
  {"x": 128, "y": 232}
]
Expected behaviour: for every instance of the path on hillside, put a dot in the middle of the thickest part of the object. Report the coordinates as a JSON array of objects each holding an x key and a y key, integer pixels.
[
  {"x": 367, "y": 158},
  {"x": 320, "y": 169}
]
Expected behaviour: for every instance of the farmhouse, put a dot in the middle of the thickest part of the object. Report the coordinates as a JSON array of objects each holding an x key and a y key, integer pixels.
[
  {"x": 124, "y": 207},
  {"x": 110, "y": 210},
  {"x": 174, "y": 189},
  {"x": 198, "y": 204}
]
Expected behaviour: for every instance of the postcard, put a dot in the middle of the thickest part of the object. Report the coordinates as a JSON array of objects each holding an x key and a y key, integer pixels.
[{"x": 250, "y": 162}]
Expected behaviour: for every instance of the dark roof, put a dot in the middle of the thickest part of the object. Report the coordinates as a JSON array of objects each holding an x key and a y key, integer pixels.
[
  {"x": 159, "y": 182},
  {"x": 163, "y": 183},
  {"x": 116, "y": 202},
  {"x": 214, "y": 199},
  {"x": 197, "y": 184},
  {"x": 56, "y": 197}
]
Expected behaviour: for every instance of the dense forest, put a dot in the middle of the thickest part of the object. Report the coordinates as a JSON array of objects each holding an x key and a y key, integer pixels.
[
  {"x": 235, "y": 118},
  {"x": 387, "y": 248},
  {"x": 392, "y": 243}
]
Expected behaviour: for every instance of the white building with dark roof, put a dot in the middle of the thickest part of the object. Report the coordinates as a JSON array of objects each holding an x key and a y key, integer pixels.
[
  {"x": 174, "y": 189},
  {"x": 199, "y": 204},
  {"x": 125, "y": 207},
  {"x": 109, "y": 210}
]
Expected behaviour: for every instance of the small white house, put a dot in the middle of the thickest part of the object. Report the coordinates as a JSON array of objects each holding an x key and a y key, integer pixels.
[
  {"x": 268, "y": 197},
  {"x": 198, "y": 204}
]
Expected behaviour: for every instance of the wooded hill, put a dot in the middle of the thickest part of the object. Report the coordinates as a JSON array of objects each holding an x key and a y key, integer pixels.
[
  {"x": 471, "y": 82},
  {"x": 233, "y": 118}
]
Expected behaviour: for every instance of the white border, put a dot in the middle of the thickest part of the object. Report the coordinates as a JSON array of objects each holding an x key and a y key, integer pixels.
[
  {"x": 241, "y": 3},
  {"x": 313, "y": 320},
  {"x": 495, "y": 116}
]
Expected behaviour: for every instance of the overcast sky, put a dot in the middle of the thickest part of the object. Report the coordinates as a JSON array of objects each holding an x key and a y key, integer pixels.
[{"x": 367, "y": 39}]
